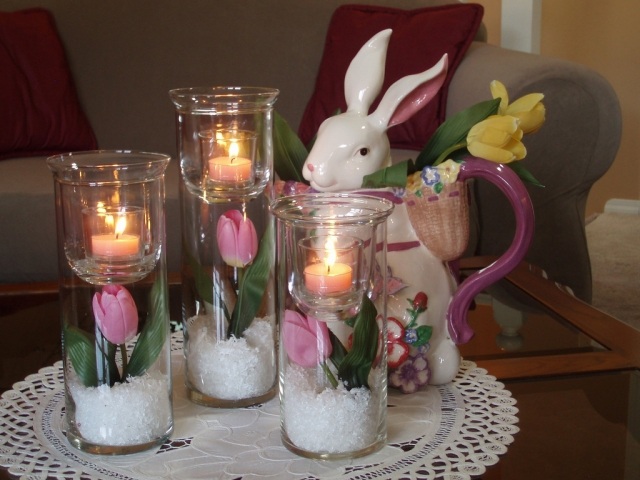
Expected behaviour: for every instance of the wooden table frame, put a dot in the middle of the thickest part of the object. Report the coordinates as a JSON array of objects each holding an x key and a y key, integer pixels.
[{"x": 622, "y": 342}]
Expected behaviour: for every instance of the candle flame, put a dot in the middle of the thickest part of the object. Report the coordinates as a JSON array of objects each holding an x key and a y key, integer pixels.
[
  {"x": 234, "y": 150},
  {"x": 121, "y": 225},
  {"x": 331, "y": 255}
]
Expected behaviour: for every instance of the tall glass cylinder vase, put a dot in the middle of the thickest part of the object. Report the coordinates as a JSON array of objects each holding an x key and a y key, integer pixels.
[
  {"x": 114, "y": 299},
  {"x": 331, "y": 268},
  {"x": 228, "y": 251}
]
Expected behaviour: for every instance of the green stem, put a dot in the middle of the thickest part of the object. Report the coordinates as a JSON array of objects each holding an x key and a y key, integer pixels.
[
  {"x": 443, "y": 156},
  {"x": 329, "y": 375},
  {"x": 123, "y": 352},
  {"x": 239, "y": 277},
  {"x": 414, "y": 313},
  {"x": 238, "y": 274}
]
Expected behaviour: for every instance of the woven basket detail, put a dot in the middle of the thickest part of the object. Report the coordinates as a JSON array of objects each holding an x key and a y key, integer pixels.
[{"x": 441, "y": 221}]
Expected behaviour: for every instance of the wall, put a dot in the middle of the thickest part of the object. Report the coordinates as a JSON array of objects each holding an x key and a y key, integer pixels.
[{"x": 603, "y": 36}]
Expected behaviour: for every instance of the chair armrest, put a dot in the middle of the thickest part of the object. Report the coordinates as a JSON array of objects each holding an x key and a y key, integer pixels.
[{"x": 575, "y": 147}]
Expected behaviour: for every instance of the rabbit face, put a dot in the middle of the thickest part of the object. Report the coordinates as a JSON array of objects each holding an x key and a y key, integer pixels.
[
  {"x": 354, "y": 144},
  {"x": 348, "y": 148}
]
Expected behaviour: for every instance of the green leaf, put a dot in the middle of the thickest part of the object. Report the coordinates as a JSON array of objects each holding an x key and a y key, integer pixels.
[
  {"x": 338, "y": 352},
  {"x": 454, "y": 131},
  {"x": 356, "y": 365},
  {"x": 393, "y": 176},
  {"x": 80, "y": 348},
  {"x": 524, "y": 174},
  {"x": 154, "y": 333},
  {"x": 253, "y": 285},
  {"x": 289, "y": 153},
  {"x": 203, "y": 282},
  {"x": 423, "y": 333}
]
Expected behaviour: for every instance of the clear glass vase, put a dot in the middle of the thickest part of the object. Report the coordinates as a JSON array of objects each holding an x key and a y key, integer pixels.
[
  {"x": 114, "y": 299},
  {"x": 228, "y": 293},
  {"x": 331, "y": 268}
]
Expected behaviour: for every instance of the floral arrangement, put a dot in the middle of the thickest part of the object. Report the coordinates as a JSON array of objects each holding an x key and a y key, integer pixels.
[
  {"x": 309, "y": 343},
  {"x": 492, "y": 130},
  {"x": 252, "y": 261},
  {"x": 93, "y": 356}
]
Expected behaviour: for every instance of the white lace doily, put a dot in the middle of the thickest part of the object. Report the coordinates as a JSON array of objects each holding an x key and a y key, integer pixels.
[{"x": 453, "y": 431}]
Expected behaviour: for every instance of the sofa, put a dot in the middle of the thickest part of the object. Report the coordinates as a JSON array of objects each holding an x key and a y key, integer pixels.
[{"x": 125, "y": 56}]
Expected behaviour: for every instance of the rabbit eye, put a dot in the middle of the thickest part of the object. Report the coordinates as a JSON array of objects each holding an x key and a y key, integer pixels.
[{"x": 364, "y": 151}]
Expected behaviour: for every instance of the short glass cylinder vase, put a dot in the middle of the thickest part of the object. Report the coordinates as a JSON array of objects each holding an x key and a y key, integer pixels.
[
  {"x": 331, "y": 270},
  {"x": 114, "y": 299},
  {"x": 228, "y": 252}
]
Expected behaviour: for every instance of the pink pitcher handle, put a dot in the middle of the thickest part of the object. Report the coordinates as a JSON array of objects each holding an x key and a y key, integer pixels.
[{"x": 510, "y": 184}]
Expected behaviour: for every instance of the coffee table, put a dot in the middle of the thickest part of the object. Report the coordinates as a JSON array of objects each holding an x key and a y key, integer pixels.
[{"x": 574, "y": 372}]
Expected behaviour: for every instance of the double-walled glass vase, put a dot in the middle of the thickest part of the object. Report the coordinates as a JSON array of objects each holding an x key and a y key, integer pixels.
[
  {"x": 114, "y": 301},
  {"x": 331, "y": 267},
  {"x": 228, "y": 251}
]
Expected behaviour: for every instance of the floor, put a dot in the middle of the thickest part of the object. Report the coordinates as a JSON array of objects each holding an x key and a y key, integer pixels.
[{"x": 614, "y": 247}]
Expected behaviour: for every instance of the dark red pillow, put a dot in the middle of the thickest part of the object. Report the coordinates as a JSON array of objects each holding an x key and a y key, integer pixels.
[
  {"x": 39, "y": 110},
  {"x": 420, "y": 37}
]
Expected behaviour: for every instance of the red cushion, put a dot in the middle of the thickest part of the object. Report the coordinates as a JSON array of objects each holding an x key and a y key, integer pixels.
[
  {"x": 39, "y": 109},
  {"x": 420, "y": 37}
]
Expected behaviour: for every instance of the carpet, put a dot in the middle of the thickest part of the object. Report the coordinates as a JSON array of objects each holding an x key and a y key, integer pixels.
[{"x": 614, "y": 248}]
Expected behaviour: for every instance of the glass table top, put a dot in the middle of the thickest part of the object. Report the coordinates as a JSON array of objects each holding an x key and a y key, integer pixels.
[{"x": 505, "y": 328}]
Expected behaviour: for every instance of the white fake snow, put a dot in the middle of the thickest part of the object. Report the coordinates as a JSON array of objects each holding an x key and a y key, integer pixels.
[
  {"x": 333, "y": 420},
  {"x": 235, "y": 368},
  {"x": 131, "y": 413}
]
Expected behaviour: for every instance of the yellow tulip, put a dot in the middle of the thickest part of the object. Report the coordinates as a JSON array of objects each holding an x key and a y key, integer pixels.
[
  {"x": 528, "y": 109},
  {"x": 497, "y": 138}
]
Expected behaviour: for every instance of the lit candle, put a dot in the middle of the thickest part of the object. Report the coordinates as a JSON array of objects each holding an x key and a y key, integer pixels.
[
  {"x": 115, "y": 245},
  {"x": 328, "y": 276},
  {"x": 231, "y": 169}
]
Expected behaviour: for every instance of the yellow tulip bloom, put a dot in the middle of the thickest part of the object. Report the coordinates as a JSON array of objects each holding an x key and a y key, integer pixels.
[
  {"x": 497, "y": 138},
  {"x": 528, "y": 109}
]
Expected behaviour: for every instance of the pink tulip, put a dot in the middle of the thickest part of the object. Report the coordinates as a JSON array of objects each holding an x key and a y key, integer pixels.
[
  {"x": 116, "y": 314},
  {"x": 237, "y": 239},
  {"x": 306, "y": 340}
]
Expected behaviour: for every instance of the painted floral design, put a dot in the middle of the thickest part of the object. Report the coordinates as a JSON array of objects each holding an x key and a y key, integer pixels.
[
  {"x": 407, "y": 347},
  {"x": 413, "y": 373},
  {"x": 433, "y": 177}
]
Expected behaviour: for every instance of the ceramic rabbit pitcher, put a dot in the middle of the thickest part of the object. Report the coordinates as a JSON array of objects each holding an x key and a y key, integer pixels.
[{"x": 426, "y": 307}]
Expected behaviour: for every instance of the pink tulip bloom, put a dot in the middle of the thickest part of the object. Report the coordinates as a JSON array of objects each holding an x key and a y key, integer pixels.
[
  {"x": 306, "y": 340},
  {"x": 237, "y": 239},
  {"x": 116, "y": 314}
]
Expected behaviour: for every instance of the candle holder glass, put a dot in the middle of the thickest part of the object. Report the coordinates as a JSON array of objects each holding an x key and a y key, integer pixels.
[
  {"x": 231, "y": 157},
  {"x": 240, "y": 115},
  {"x": 111, "y": 227},
  {"x": 114, "y": 299},
  {"x": 112, "y": 237},
  {"x": 333, "y": 360},
  {"x": 228, "y": 289},
  {"x": 329, "y": 276}
]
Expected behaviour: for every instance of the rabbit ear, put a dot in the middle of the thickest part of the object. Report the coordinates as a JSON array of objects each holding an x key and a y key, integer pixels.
[
  {"x": 408, "y": 95},
  {"x": 365, "y": 74}
]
